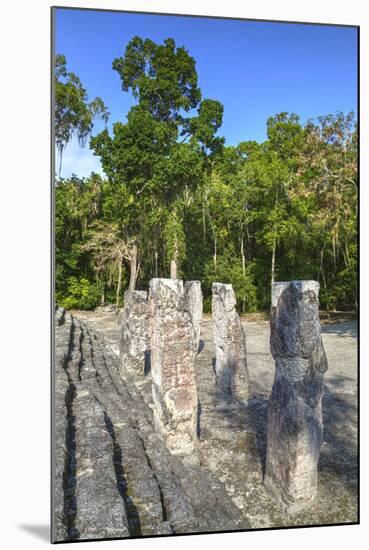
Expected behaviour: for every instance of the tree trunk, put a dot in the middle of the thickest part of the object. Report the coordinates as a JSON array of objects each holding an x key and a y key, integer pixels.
[
  {"x": 203, "y": 221},
  {"x": 243, "y": 254},
  {"x": 133, "y": 266},
  {"x": 215, "y": 253},
  {"x": 138, "y": 270},
  {"x": 323, "y": 274},
  {"x": 156, "y": 263},
  {"x": 214, "y": 239},
  {"x": 273, "y": 259},
  {"x": 243, "y": 259},
  {"x": 173, "y": 269},
  {"x": 334, "y": 253},
  {"x": 346, "y": 256},
  {"x": 173, "y": 262},
  {"x": 102, "y": 297},
  {"x": 274, "y": 241},
  {"x": 119, "y": 285},
  {"x": 321, "y": 269},
  {"x": 60, "y": 150}
]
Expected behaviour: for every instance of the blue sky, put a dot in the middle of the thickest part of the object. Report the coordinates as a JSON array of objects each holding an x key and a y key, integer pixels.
[{"x": 256, "y": 69}]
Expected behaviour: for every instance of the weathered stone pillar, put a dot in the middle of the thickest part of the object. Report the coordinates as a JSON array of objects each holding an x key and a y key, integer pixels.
[
  {"x": 229, "y": 342},
  {"x": 295, "y": 427},
  {"x": 135, "y": 337},
  {"x": 173, "y": 367},
  {"x": 193, "y": 296}
]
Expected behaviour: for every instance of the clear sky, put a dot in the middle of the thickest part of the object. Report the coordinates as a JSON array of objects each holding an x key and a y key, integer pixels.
[{"x": 255, "y": 69}]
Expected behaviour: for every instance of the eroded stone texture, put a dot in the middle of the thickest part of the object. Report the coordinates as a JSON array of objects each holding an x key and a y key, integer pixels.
[
  {"x": 173, "y": 367},
  {"x": 229, "y": 343},
  {"x": 116, "y": 478},
  {"x": 295, "y": 427},
  {"x": 135, "y": 336},
  {"x": 224, "y": 432},
  {"x": 194, "y": 302}
]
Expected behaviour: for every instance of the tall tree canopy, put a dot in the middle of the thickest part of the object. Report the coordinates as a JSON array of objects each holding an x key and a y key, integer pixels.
[
  {"x": 160, "y": 154},
  {"x": 175, "y": 200},
  {"x": 74, "y": 115}
]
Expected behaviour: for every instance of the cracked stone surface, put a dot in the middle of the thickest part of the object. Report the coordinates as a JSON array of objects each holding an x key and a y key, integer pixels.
[
  {"x": 173, "y": 367},
  {"x": 295, "y": 422},
  {"x": 114, "y": 477},
  {"x": 135, "y": 337},
  {"x": 230, "y": 344},
  {"x": 226, "y": 491},
  {"x": 194, "y": 301}
]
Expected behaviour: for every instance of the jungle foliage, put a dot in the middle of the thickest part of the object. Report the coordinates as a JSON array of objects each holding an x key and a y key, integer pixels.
[{"x": 177, "y": 201}]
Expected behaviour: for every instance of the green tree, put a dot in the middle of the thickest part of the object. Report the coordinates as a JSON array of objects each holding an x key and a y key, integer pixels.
[
  {"x": 285, "y": 137},
  {"x": 77, "y": 206},
  {"x": 108, "y": 250},
  {"x": 328, "y": 178},
  {"x": 176, "y": 198},
  {"x": 74, "y": 114},
  {"x": 160, "y": 154}
]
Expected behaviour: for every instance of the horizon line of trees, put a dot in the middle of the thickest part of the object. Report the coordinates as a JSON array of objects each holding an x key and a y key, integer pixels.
[{"x": 176, "y": 201}]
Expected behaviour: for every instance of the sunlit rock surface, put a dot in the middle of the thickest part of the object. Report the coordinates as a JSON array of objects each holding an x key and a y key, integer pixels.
[
  {"x": 295, "y": 426},
  {"x": 173, "y": 367},
  {"x": 114, "y": 476},
  {"x": 157, "y": 492},
  {"x": 194, "y": 301},
  {"x": 135, "y": 336},
  {"x": 229, "y": 343}
]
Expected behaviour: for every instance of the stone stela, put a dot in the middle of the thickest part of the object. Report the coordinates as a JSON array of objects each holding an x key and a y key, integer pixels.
[
  {"x": 173, "y": 353},
  {"x": 229, "y": 342},
  {"x": 161, "y": 330},
  {"x": 295, "y": 426},
  {"x": 135, "y": 335},
  {"x": 194, "y": 300}
]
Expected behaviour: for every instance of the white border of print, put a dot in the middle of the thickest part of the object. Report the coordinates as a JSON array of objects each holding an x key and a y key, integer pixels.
[{"x": 25, "y": 278}]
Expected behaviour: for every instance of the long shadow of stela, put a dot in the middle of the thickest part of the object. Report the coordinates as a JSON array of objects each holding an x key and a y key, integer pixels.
[
  {"x": 339, "y": 453},
  {"x": 253, "y": 417},
  {"x": 348, "y": 328},
  {"x": 257, "y": 414}
]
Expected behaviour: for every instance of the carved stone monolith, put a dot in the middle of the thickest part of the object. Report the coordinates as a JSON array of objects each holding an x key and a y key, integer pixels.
[
  {"x": 194, "y": 300},
  {"x": 229, "y": 343},
  {"x": 173, "y": 367},
  {"x": 295, "y": 426},
  {"x": 135, "y": 335}
]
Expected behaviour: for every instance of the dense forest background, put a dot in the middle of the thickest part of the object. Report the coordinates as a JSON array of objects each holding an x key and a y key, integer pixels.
[{"x": 176, "y": 201}]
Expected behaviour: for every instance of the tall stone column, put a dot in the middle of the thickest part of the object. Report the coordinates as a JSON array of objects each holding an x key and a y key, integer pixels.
[
  {"x": 194, "y": 300},
  {"x": 173, "y": 367},
  {"x": 295, "y": 426},
  {"x": 229, "y": 343},
  {"x": 135, "y": 337}
]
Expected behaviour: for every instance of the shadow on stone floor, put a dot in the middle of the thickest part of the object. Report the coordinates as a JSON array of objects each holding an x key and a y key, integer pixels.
[
  {"x": 339, "y": 451},
  {"x": 257, "y": 413},
  {"x": 201, "y": 346},
  {"x": 341, "y": 329}
]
